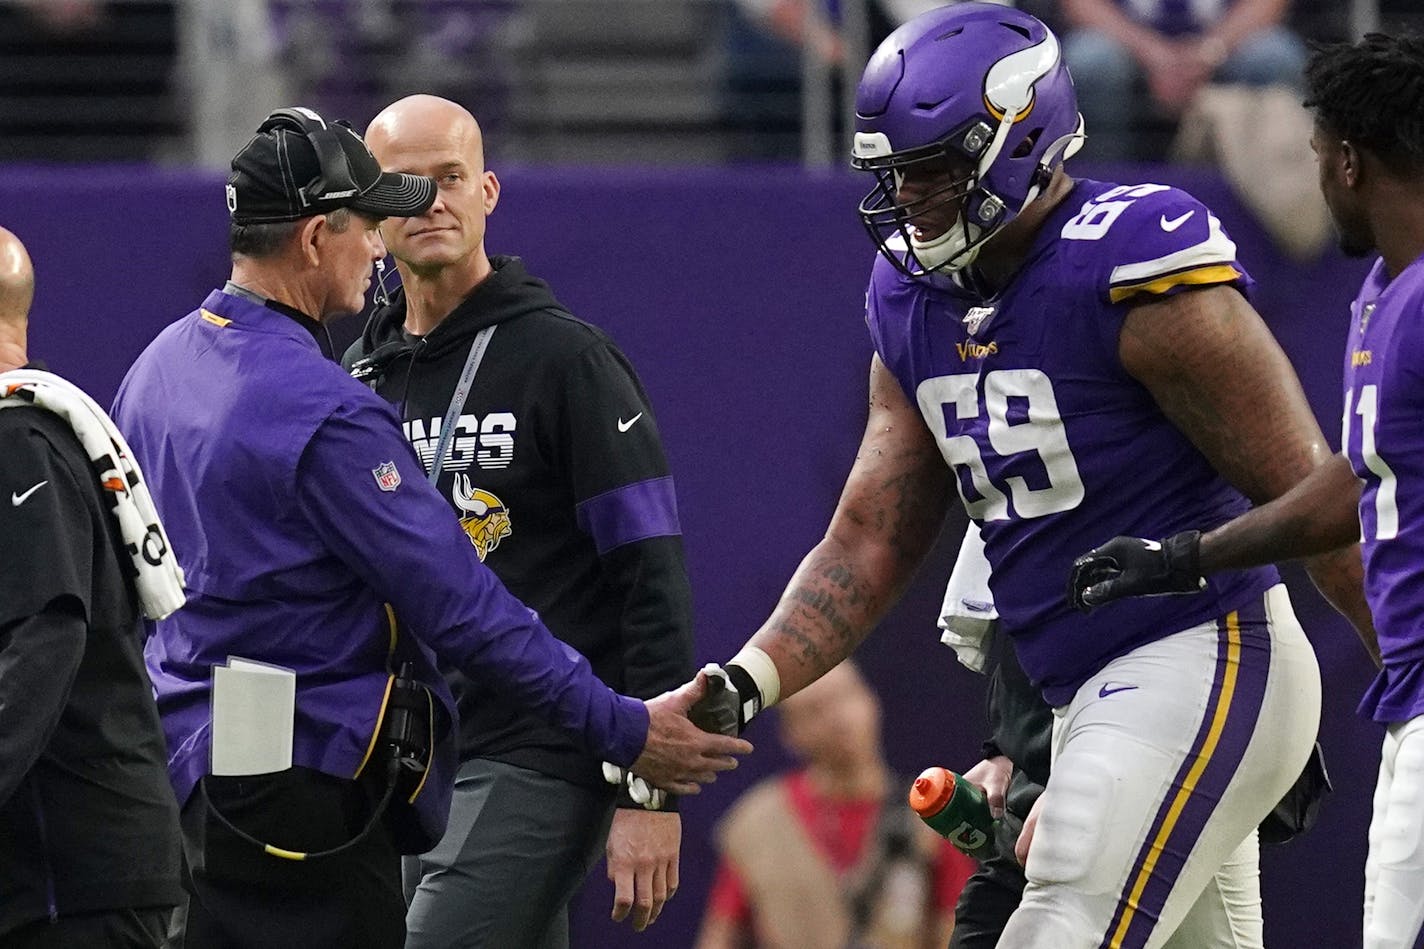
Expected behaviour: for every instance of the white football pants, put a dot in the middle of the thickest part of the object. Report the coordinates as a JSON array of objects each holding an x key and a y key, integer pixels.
[
  {"x": 1394, "y": 870},
  {"x": 1165, "y": 762}
]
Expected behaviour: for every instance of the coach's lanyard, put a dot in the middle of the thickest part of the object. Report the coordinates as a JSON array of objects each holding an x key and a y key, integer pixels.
[{"x": 457, "y": 401}]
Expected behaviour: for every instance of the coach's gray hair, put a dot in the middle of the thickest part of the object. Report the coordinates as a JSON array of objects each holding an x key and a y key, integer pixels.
[{"x": 265, "y": 240}]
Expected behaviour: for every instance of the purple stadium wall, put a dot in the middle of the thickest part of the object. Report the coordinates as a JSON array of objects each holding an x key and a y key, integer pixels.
[{"x": 738, "y": 295}]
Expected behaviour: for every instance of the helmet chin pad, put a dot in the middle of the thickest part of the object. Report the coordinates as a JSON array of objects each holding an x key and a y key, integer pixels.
[{"x": 952, "y": 251}]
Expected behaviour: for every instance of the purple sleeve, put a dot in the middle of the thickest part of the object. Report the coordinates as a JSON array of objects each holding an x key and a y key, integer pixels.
[
  {"x": 363, "y": 491},
  {"x": 890, "y": 307},
  {"x": 1156, "y": 242}
]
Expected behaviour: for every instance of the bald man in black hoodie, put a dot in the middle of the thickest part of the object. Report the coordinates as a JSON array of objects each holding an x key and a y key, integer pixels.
[{"x": 551, "y": 459}]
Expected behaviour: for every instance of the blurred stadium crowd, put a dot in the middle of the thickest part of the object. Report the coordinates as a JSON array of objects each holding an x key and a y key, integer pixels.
[{"x": 555, "y": 81}]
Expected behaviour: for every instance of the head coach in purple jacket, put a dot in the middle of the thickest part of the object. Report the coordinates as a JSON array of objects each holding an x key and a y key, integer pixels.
[{"x": 308, "y": 534}]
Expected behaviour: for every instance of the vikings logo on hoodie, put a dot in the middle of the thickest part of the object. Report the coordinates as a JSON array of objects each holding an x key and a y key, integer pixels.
[{"x": 484, "y": 516}]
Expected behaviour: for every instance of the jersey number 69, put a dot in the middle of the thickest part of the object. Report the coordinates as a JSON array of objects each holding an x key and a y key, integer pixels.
[{"x": 944, "y": 400}]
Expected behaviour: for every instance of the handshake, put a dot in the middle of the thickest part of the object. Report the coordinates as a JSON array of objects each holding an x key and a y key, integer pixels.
[{"x": 724, "y": 700}]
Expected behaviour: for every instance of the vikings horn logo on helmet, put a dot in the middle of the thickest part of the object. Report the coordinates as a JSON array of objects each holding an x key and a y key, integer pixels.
[
  {"x": 980, "y": 85},
  {"x": 1010, "y": 82},
  {"x": 485, "y": 520}
]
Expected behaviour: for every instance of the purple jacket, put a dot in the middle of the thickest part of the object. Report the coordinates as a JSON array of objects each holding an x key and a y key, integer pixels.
[{"x": 298, "y": 512}]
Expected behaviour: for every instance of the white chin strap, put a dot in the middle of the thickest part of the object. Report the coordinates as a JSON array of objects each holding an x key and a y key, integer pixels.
[{"x": 950, "y": 251}]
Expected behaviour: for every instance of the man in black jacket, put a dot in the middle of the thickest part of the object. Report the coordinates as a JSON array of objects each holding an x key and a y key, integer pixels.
[
  {"x": 1012, "y": 775},
  {"x": 536, "y": 428},
  {"x": 88, "y": 823}
]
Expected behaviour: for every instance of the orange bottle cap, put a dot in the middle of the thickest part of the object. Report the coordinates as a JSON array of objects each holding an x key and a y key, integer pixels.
[{"x": 931, "y": 791}]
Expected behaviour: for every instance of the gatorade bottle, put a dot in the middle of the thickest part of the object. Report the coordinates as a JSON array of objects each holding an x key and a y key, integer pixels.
[{"x": 956, "y": 809}]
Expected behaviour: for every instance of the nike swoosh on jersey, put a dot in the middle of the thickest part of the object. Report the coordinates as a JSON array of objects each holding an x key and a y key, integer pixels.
[
  {"x": 624, "y": 426},
  {"x": 1171, "y": 225},
  {"x": 1112, "y": 688},
  {"x": 17, "y": 499}
]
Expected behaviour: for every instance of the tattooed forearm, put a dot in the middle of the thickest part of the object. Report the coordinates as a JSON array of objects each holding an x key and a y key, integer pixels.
[
  {"x": 889, "y": 515},
  {"x": 803, "y": 647},
  {"x": 840, "y": 575},
  {"x": 824, "y": 606},
  {"x": 831, "y": 604}
]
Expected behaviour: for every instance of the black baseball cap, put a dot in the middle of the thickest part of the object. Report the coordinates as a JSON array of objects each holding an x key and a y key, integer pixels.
[{"x": 299, "y": 165}]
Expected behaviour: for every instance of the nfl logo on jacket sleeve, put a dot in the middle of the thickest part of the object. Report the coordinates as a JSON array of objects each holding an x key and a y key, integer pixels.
[{"x": 386, "y": 475}]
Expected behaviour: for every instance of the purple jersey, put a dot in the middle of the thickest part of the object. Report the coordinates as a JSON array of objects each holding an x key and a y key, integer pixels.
[
  {"x": 1054, "y": 446},
  {"x": 1384, "y": 402}
]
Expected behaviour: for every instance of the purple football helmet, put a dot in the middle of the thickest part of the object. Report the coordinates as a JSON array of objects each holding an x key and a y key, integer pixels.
[{"x": 977, "y": 82}]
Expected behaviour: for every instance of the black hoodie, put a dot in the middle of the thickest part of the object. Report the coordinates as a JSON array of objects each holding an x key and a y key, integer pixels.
[{"x": 557, "y": 473}]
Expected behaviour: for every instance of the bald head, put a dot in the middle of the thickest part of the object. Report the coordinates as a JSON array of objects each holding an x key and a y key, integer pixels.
[
  {"x": 441, "y": 253},
  {"x": 17, "y": 279},
  {"x": 423, "y": 122},
  {"x": 17, "y": 289}
]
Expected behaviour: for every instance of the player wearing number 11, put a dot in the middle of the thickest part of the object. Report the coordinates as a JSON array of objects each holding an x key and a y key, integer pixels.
[{"x": 1083, "y": 357}]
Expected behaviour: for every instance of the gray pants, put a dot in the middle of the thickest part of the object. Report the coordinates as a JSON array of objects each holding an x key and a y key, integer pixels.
[{"x": 516, "y": 849}]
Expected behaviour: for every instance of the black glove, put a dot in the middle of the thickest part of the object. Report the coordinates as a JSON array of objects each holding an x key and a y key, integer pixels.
[
  {"x": 1134, "y": 566},
  {"x": 732, "y": 699}
]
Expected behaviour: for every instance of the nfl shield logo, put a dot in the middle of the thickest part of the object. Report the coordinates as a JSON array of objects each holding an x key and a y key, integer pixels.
[
  {"x": 977, "y": 317},
  {"x": 386, "y": 475}
]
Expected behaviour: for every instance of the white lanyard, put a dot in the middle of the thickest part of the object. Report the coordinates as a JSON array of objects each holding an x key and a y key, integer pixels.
[{"x": 457, "y": 401}]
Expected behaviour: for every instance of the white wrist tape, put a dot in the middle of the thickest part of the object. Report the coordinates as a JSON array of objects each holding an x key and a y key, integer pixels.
[{"x": 763, "y": 672}]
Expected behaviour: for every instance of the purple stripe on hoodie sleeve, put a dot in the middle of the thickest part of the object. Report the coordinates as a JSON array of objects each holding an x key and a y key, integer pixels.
[{"x": 633, "y": 512}]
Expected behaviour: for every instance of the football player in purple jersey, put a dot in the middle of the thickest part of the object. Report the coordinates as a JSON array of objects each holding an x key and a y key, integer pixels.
[
  {"x": 1368, "y": 100},
  {"x": 1072, "y": 357}
]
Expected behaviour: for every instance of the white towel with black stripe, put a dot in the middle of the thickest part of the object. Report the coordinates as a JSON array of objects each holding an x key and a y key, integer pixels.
[
  {"x": 157, "y": 576},
  {"x": 968, "y": 616}
]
